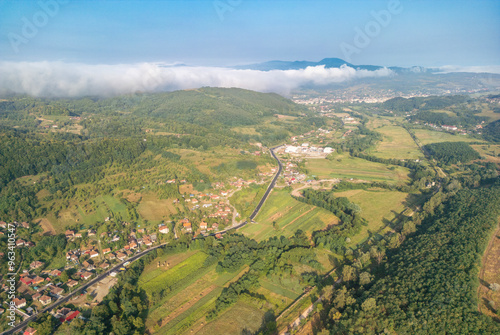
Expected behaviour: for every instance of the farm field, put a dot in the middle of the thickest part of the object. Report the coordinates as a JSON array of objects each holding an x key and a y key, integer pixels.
[
  {"x": 430, "y": 136},
  {"x": 344, "y": 166},
  {"x": 153, "y": 209},
  {"x": 194, "y": 289},
  {"x": 378, "y": 207},
  {"x": 238, "y": 317},
  {"x": 490, "y": 151},
  {"x": 150, "y": 280},
  {"x": 397, "y": 143},
  {"x": 288, "y": 216},
  {"x": 490, "y": 273}
]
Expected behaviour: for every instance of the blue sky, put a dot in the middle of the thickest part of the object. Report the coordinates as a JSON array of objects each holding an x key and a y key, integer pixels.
[{"x": 428, "y": 33}]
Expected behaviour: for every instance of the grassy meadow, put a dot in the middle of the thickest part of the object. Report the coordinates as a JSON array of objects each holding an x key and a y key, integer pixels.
[
  {"x": 345, "y": 166},
  {"x": 379, "y": 207},
  {"x": 397, "y": 143}
]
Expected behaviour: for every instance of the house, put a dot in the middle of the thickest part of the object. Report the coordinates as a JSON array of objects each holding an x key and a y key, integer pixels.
[
  {"x": 215, "y": 226},
  {"x": 30, "y": 331},
  {"x": 70, "y": 316},
  {"x": 45, "y": 300},
  {"x": 121, "y": 256},
  {"x": 72, "y": 283},
  {"x": 133, "y": 245},
  {"x": 55, "y": 273},
  {"x": 69, "y": 233},
  {"x": 91, "y": 232},
  {"x": 61, "y": 313},
  {"x": 19, "y": 303},
  {"x": 25, "y": 225},
  {"x": 37, "y": 280},
  {"x": 218, "y": 235},
  {"x": 36, "y": 265},
  {"x": 141, "y": 230},
  {"x": 88, "y": 265},
  {"x": 106, "y": 251},
  {"x": 86, "y": 275},
  {"x": 57, "y": 291},
  {"x": 93, "y": 254},
  {"x": 164, "y": 230},
  {"x": 74, "y": 258},
  {"x": 3, "y": 224},
  {"x": 26, "y": 280},
  {"x": 111, "y": 256},
  {"x": 20, "y": 243},
  {"x": 148, "y": 242},
  {"x": 36, "y": 296},
  {"x": 104, "y": 265},
  {"x": 153, "y": 237},
  {"x": 78, "y": 235},
  {"x": 29, "y": 244},
  {"x": 203, "y": 225}
]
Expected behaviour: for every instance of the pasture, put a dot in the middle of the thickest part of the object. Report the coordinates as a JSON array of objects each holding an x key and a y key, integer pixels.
[
  {"x": 397, "y": 143},
  {"x": 379, "y": 207},
  {"x": 427, "y": 136},
  {"x": 345, "y": 166}
]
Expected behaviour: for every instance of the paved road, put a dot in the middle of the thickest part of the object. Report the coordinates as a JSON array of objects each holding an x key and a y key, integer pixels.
[
  {"x": 83, "y": 287},
  {"x": 142, "y": 253},
  {"x": 261, "y": 202}
]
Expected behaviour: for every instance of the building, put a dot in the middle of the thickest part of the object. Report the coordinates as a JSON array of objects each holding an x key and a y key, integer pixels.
[
  {"x": 45, "y": 300},
  {"x": 72, "y": 283},
  {"x": 30, "y": 331},
  {"x": 19, "y": 303}
]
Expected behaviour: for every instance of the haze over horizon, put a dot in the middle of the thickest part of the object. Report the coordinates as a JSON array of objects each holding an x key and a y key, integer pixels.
[{"x": 52, "y": 47}]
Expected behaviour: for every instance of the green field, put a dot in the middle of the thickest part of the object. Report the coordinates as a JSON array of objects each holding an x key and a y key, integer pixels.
[
  {"x": 79, "y": 213},
  {"x": 239, "y": 317},
  {"x": 344, "y": 166},
  {"x": 430, "y": 136},
  {"x": 289, "y": 215},
  {"x": 378, "y": 207},
  {"x": 152, "y": 279},
  {"x": 397, "y": 143},
  {"x": 490, "y": 151}
]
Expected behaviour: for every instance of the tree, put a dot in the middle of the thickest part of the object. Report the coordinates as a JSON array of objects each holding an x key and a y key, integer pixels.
[
  {"x": 348, "y": 273},
  {"x": 364, "y": 278}
]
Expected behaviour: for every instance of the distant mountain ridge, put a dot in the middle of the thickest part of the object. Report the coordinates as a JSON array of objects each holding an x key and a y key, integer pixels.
[{"x": 328, "y": 63}]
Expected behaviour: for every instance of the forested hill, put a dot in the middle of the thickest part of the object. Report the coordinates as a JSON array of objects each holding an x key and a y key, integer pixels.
[
  {"x": 429, "y": 285},
  {"x": 228, "y": 106},
  {"x": 201, "y": 112}
]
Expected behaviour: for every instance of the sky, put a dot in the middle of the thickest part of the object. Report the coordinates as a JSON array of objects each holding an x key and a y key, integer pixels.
[{"x": 218, "y": 33}]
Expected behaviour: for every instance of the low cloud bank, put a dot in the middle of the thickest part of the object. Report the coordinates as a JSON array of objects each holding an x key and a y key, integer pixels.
[
  {"x": 58, "y": 79},
  {"x": 472, "y": 69}
]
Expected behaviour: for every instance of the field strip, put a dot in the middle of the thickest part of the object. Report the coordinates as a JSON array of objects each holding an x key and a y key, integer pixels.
[
  {"x": 181, "y": 309},
  {"x": 482, "y": 290},
  {"x": 299, "y": 217}
]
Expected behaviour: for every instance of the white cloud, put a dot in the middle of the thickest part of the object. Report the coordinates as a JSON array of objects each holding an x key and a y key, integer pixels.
[
  {"x": 473, "y": 69},
  {"x": 58, "y": 79}
]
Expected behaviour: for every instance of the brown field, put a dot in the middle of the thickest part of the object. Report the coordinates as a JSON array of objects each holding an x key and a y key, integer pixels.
[
  {"x": 489, "y": 151},
  {"x": 490, "y": 273},
  {"x": 152, "y": 208},
  {"x": 47, "y": 227}
]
